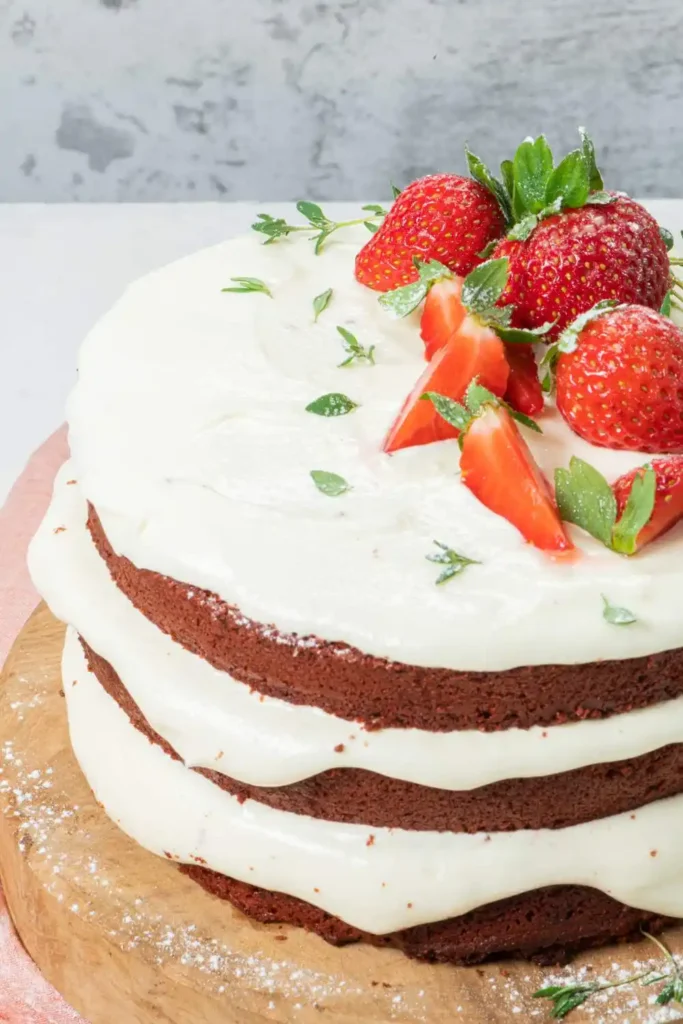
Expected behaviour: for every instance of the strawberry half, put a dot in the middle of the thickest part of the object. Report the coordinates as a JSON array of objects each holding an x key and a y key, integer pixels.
[
  {"x": 668, "y": 500},
  {"x": 474, "y": 351},
  {"x": 524, "y": 391},
  {"x": 442, "y": 315},
  {"x": 497, "y": 466},
  {"x": 444, "y": 217}
]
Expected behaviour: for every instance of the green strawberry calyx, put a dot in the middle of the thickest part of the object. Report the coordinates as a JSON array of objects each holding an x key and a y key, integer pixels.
[
  {"x": 531, "y": 188},
  {"x": 586, "y": 499},
  {"x": 477, "y": 399},
  {"x": 481, "y": 291}
]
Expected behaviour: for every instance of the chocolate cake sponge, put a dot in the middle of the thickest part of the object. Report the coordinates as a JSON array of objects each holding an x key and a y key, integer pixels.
[
  {"x": 344, "y": 681},
  {"x": 546, "y": 926},
  {"x": 358, "y": 796}
]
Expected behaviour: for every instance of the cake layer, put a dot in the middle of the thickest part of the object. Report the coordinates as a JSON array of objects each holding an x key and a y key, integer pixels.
[
  {"x": 546, "y": 925},
  {"x": 350, "y": 684},
  {"x": 215, "y": 722},
  {"x": 360, "y": 797},
  {"x": 190, "y": 431},
  {"x": 393, "y": 881}
]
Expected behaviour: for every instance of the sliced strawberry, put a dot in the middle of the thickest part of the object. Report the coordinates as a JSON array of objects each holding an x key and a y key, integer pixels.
[
  {"x": 524, "y": 392},
  {"x": 475, "y": 351},
  {"x": 442, "y": 314},
  {"x": 498, "y": 467},
  {"x": 668, "y": 507}
]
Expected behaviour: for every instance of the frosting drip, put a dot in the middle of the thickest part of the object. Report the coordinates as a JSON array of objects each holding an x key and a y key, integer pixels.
[
  {"x": 400, "y": 879},
  {"x": 215, "y": 722}
]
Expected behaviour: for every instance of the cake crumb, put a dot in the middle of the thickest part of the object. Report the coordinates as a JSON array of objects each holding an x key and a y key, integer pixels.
[
  {"x": 409, "y": 906},
  {"x": 340, "y": 748},
  {"x": 220, "y": 754},
  {"x": 316, "y": 890},
  {"x": 653, "y": 853},
  {"x": 59, "y": 529},
  {"x": 370, "y": 841}
]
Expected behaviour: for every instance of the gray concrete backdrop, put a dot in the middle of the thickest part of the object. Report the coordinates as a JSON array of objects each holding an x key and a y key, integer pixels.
[{"x": 280, "y": 99}]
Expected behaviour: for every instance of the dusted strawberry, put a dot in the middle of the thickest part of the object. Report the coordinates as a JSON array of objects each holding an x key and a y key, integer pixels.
[
  {"x": 620, "y": 379},
  {"x": 443, "y": 217},
  {"x": 497, "y": 466},
  {"x": 475, "y": 351},
  {"x": 442, "y": 315},
  {"x": 524, "y": 391},
  {"x": 667, "y": 509},
  {"x": 571, "y": 244},
  {"x": 578, "y": 257}
]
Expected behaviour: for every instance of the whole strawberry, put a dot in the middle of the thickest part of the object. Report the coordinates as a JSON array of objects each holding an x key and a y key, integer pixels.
[
  {"x": 443, "y": 217},
  {"x": 619, "y": 378},
  {"x": 571, "y": 244},
  {"x": 576, "y": 258}
]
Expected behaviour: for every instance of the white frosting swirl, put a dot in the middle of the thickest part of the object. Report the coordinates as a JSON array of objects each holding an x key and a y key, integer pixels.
[
  {"x": 190, "y": 435},
  {"x": 400, "y": 879},
  {"x": 215, "y": 722}
]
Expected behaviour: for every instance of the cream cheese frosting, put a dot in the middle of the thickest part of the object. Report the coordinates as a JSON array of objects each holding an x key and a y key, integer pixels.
[
  {"x": 401, "y": 879},
  {"x": 214, "y": 721},
  {"x": 190, "y": 436}
]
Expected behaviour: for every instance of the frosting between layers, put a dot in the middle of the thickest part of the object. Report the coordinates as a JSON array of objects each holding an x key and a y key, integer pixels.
[
  {"x": 401, "y": 879},
  {"x": 190, "y": 436},
  {"x": 216, "y": 722}
]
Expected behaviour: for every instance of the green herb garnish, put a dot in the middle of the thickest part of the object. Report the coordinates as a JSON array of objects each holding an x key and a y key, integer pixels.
[
  {"x": 320, "y": 303},
  {"x": 329, "y": 483},
  {"x": 248, "y": 284},
  {"x": 565, "y": 998},
  {"x": 355, "y": 349},
  {"x": 333, "y": 404},
  {"x": 615, "y": 615},
  {"x": 453, "y": 562},
  {"x": 277, "y": 227}
]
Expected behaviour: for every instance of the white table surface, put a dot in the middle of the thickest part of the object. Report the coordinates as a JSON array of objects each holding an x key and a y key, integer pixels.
[{"x": 62, "y": 266}]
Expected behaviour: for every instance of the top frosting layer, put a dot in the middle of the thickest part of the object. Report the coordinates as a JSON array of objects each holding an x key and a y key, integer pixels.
[{"x": 190, "y": 436}]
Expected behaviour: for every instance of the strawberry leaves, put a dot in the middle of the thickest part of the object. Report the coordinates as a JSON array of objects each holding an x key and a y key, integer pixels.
[
  {"x": 532, "y": 167},
  {"x": 637, "y": 512},
  {"x": 482, "y": 174},
  {"x": 586, "y": 499},
  {"x": 402, "y": 301},
  {"x": 533, "y": 188},
  {"x": 477, "y": 398},
  {"x": 588, "y": 149},
  {"x": 484, "y": 285}
]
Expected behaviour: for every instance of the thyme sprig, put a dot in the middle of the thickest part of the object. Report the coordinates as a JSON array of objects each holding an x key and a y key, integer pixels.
[
  {"x": 565, "y": 998},
  {"x": 354, "y": 349},
  {"x": 277, "y": 227}
]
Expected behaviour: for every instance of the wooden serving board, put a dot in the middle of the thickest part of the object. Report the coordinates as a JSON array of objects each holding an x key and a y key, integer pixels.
[{"x": 128, "y": 939}]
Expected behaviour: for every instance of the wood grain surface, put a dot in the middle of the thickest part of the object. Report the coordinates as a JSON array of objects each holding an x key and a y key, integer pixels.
[{"x": 127, "y": 939}]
